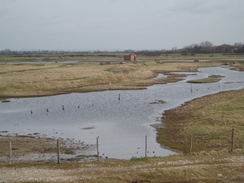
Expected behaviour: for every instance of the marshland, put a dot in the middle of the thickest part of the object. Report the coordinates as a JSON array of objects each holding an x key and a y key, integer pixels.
[{"x": 89, "y": 91}]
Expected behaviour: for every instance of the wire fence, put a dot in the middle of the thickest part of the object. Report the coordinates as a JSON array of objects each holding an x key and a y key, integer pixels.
[
  {"x": 61, "y": 150},
  {"x": 69, "y": 150}
]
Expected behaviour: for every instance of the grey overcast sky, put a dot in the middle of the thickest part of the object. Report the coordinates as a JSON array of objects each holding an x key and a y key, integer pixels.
[{"x": 118, "y": 24}]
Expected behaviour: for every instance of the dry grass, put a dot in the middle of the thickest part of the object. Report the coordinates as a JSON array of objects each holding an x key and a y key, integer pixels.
[
  {"x": 52, "y": 79},
  {"x": 172, "y": 169},
  {"x": 24, "y": 145},
  {"x": 209, "y": 119}
]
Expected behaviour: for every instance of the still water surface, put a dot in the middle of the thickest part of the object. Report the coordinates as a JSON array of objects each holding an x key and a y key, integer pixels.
[{"x": 120, "y": 124}]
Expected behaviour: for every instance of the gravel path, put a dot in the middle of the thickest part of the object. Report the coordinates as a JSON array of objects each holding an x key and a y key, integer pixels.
[{"x": 81, "y": 172}]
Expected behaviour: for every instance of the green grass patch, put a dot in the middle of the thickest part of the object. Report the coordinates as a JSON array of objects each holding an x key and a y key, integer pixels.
[
  {"x": 79, "y": 79},
  {"x": 139, "y": 159},
  {"x": 205, "y": 80}
]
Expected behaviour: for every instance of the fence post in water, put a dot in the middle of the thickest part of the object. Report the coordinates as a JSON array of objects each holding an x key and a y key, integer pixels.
[
  {"x": 191, "y": 145},
  {"x": 10, "y": 152},
  {"x": 58, "y": 152},
  {"x": 98, "y": 158},
  {"x": 119, "y": 97},
  {"x": 145, "y": 146},
  {"x": 232, "y": 140}
]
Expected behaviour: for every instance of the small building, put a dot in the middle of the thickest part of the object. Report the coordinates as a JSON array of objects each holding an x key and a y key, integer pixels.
[{"x": 130, "y": 57}]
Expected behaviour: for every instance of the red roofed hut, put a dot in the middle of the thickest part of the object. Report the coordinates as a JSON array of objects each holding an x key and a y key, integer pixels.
[{"x": 130, "y": 57}]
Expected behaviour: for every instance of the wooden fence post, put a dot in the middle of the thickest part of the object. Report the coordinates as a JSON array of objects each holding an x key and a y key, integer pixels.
[
  {"x": 58, "y": 152},
  {"x": 191, "y": 145},
  {"x": 232, "y": 140},
  {"x": 145, "y": 146},
  {"x": 10, "y": 152},
  {"x": 98, "y": 158}
]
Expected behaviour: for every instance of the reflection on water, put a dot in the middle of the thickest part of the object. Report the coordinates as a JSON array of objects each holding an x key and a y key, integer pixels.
[{"x": 120, "y": 124}]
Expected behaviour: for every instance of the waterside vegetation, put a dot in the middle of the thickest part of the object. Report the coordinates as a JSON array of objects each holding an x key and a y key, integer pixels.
[
  {"x": 208, "y": 121},
  {"x": 42, "y": 79}
]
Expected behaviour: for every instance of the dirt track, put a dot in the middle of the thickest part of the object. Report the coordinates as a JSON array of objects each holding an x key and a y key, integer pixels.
[{"x": 82, "y": 172}]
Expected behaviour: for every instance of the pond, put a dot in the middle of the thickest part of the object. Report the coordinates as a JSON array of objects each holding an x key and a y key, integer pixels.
[{"x": 121, "y": 125}]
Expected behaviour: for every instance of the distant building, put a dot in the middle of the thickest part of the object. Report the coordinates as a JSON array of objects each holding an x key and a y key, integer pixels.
[{"x": 130, "y": 57}]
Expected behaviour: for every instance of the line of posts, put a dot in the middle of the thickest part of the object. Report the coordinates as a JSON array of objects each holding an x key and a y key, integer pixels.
[{"x": 97, "y": 147}]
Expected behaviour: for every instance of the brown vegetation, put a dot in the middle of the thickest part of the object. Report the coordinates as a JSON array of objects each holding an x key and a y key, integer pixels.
[
  {"x": 53, "y": 79},
  {"x": 209, "y": 120}
]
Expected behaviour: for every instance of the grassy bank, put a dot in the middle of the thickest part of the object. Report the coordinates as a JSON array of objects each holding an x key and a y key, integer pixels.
[
  {"x": 209, "y": 120},
  {"x": 28, "y": 80}
]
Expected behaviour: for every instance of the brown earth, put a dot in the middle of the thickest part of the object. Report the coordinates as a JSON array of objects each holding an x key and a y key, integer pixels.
[{"x": 26, "y": 149}]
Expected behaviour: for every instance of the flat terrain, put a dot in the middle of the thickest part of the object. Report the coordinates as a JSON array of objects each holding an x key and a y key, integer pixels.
[
  {"x": 209, "y": 120},
  {"x": 42, "y": 79},
  {"x": 29, "y": 80},
  {"x": 175, "y": 169}
]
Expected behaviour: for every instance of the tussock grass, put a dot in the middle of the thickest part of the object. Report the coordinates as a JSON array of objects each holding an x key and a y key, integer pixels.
[
  {"x": 209, "y": 120},
  {"x": 51, "y": 79}
]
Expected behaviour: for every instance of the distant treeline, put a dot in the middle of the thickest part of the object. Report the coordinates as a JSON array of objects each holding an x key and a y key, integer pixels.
[
  {"x": 203, "y": 47},
  {"x": 208, "y": 47}
]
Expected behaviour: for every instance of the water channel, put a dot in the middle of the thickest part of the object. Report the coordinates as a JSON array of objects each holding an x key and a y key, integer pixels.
[{"x": 120, "y": 124}]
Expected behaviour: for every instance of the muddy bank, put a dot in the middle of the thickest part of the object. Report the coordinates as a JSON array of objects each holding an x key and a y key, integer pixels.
[{"x": 32, "y": 149}]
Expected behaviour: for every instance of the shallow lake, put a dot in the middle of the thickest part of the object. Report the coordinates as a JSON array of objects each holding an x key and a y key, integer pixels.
[{"x": 120, "y": 124}]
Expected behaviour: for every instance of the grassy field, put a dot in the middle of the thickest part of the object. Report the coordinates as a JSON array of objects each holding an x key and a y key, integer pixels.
[
  {"x": 26, "y": 80},
  {"x": 209, "y": 120}
]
